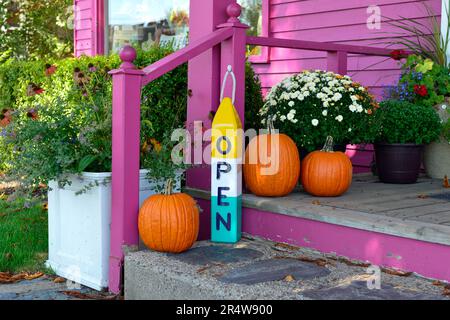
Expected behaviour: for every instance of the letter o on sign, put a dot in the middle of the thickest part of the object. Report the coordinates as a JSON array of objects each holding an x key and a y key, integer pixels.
[{"x": 219, "y": 145}]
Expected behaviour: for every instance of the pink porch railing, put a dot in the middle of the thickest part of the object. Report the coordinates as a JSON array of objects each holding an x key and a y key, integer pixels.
[{"x": 208, "y": 56}]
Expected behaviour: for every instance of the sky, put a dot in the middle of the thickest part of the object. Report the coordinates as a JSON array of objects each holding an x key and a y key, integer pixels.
[{"x": 132, "y": 12}]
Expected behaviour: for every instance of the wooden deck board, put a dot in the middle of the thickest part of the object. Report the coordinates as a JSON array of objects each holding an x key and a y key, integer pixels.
[{"x": 401, "y": 210}]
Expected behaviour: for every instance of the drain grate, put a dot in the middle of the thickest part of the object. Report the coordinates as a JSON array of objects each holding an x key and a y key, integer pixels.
[{"x": 441, "y": 196}]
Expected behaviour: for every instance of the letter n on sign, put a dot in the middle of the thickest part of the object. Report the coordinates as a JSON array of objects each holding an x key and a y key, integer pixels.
[{"x": 226, "y": 166}]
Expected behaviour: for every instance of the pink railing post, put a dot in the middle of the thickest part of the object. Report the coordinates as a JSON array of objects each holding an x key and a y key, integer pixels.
[
  {"x": 234, "y": 54},
  {"x": 337, "y": 62},
  {"x": 125, "y": 163}
]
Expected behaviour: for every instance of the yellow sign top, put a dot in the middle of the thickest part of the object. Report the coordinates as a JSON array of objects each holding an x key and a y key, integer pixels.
[{"x": 226, "y": 139}]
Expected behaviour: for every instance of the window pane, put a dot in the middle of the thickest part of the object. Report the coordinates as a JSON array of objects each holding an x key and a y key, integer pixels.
[
  {"x": 252, "y": 15},
  {"x": 147, "y": 22}
]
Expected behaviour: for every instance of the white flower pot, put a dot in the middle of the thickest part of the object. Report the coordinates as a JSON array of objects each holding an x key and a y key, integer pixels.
[
  {"x": 437, "y": 154},
  {"x": 437, "y": 159},
  {"x": 79, "y": 228}
]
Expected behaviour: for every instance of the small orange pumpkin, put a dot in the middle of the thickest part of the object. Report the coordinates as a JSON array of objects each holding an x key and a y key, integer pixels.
[
  {"x": 169, "y": 222},
  {"x": 327, "y": 173},
  {"x": 273, "y": 176}
]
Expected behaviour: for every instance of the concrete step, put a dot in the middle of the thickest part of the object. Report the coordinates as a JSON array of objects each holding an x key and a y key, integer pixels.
[{"x": 259, "y": 269}]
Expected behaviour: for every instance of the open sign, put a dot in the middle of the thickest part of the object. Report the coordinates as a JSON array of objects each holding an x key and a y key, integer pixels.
[{"x": 226, "y": 171}]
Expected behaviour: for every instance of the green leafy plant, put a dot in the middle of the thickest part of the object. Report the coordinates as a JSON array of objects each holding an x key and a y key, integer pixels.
[
  {"x": 424, "y": 82},
  {"x": 403, "y": 122},
  {"x": 313, "y": 105},
  {"x": 36, "y": 29}
]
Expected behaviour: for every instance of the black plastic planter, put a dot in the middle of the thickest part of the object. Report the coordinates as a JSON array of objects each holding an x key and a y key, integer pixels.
[{"x": 398, "y": 163}]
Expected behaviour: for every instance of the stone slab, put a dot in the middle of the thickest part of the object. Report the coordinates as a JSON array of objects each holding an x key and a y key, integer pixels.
[
  {"x": 358, "y": 290},
  {"x": 274, "y": 270},
  {"x": 217, "y": 255}
]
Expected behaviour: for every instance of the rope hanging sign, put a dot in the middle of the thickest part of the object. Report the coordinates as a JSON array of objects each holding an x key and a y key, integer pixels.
[{"x": 226, "y": 170}]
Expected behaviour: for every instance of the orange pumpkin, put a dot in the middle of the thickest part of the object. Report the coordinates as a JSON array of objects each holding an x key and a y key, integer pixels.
[
  {"x": 169, "y": 222},
  {"x": 327, "y": 173},
  {"x": 265, "y": 173}
]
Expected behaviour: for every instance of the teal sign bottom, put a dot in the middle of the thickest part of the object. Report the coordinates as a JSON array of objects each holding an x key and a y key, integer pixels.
[{"x": 226, "y": 219}]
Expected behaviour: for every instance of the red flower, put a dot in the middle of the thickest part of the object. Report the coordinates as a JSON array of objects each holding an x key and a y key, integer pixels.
[
  {"x": 50, "y": 69},
  {"x": 421, "y": 90},
  {"x": 398, "y": 54}
]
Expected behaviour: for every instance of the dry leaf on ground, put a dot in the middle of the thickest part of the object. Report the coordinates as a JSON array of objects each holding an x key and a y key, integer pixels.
[
  {"x": 289, "y": 278},
  {"x": 8, "y": 278}
]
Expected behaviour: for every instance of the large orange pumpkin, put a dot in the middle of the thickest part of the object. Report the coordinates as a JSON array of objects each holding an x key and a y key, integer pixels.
[
  {"x": 265, "y": 173},
  {"x": 169, "y": 222},
  {"x": 327, "y": 173}
]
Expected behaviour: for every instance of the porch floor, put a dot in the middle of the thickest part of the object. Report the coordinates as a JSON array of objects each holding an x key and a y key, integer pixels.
[{"x": 418, "y": 211}]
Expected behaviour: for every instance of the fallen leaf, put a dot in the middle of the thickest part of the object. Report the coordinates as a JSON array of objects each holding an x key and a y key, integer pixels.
[
  {"x": 438, "y": 283},
  {"x": 289, "y": 278},
  {"x": 354, "y": 263},
  {"x": 45, "y": 206},
  {"x": 446, "y": 292},
  {"x": 446, "y": 184},
  {"x": 85, "y": 296},
  {"x": 59, "y": 280},
  {"x": 422, "y": 196},
  {"x": 316, "y": 203},
  {"x": 286, "y": 246},
  {"x": 395, "y": 272},
  {"x": 320, "y": 262},
  {"x": 33, "y": 276},
  {"x": 6, "y": 278}
]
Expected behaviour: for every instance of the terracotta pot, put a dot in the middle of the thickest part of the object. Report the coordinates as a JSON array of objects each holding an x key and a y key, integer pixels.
[
  {"x": 398, "y": 163},
  {"x": 437, "y": 154}
]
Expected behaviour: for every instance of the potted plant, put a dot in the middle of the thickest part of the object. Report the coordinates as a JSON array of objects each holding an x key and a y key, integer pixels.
[
  {"x": 313, "y": 105},
  {"x": 401, "y": 131},
  {"x": 427, "y": 83}
]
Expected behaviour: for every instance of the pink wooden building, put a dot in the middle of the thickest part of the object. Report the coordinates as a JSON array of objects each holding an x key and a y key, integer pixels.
[{"x": 343, "y": 36}]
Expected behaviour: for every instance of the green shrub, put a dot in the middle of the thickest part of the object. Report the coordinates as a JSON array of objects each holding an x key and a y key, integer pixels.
[{"x": 404, "y": 122}]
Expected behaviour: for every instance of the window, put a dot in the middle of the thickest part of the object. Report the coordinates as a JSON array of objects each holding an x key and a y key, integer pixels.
[{"x": 148, "y": 22}]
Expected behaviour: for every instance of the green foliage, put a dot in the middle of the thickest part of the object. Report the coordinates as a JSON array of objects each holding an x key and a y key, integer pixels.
[
  {"x": 404, "y": 122},
  {"x": 61, "y": 116},
  {"x": 434, "y": 80},
  {"x": 418, "y": 71},
  {"x": 313, "y": 105},
  {"x": 35, "y": 29},
  {"x": 253, "y": 99},
  {"x": 23, "y": 237}
]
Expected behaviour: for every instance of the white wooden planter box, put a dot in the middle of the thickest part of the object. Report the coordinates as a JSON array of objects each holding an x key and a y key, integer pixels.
[{"x": 79, "y": 228}]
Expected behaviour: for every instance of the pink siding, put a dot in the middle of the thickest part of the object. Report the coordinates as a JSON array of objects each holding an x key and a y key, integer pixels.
[
  {"x": 88, "y": 30},
  {"x": 341, "y": 22}
]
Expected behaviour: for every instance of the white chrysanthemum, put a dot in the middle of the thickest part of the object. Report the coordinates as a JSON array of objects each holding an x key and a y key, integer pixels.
[
  {"x": 294, "y": 121},
  {"x": 291, "y": 116},
  {"x": 326, "y": 104},
  {"x": 291, "y": 104},
  {"x": 359, "y": 109},
  {"x": 282, "y": 118},
  {"x": 349, "y": 129},
  {"x": 325, "y": 113},
  {"x": 273, "y": 102},
  {"x": 339, "y": 118},
  {"x": 337, "y": 97},
  {"x": 352, "y": 108},
  {"x": 354, "y": 98},
  {"x": 315, "y": 122}
]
